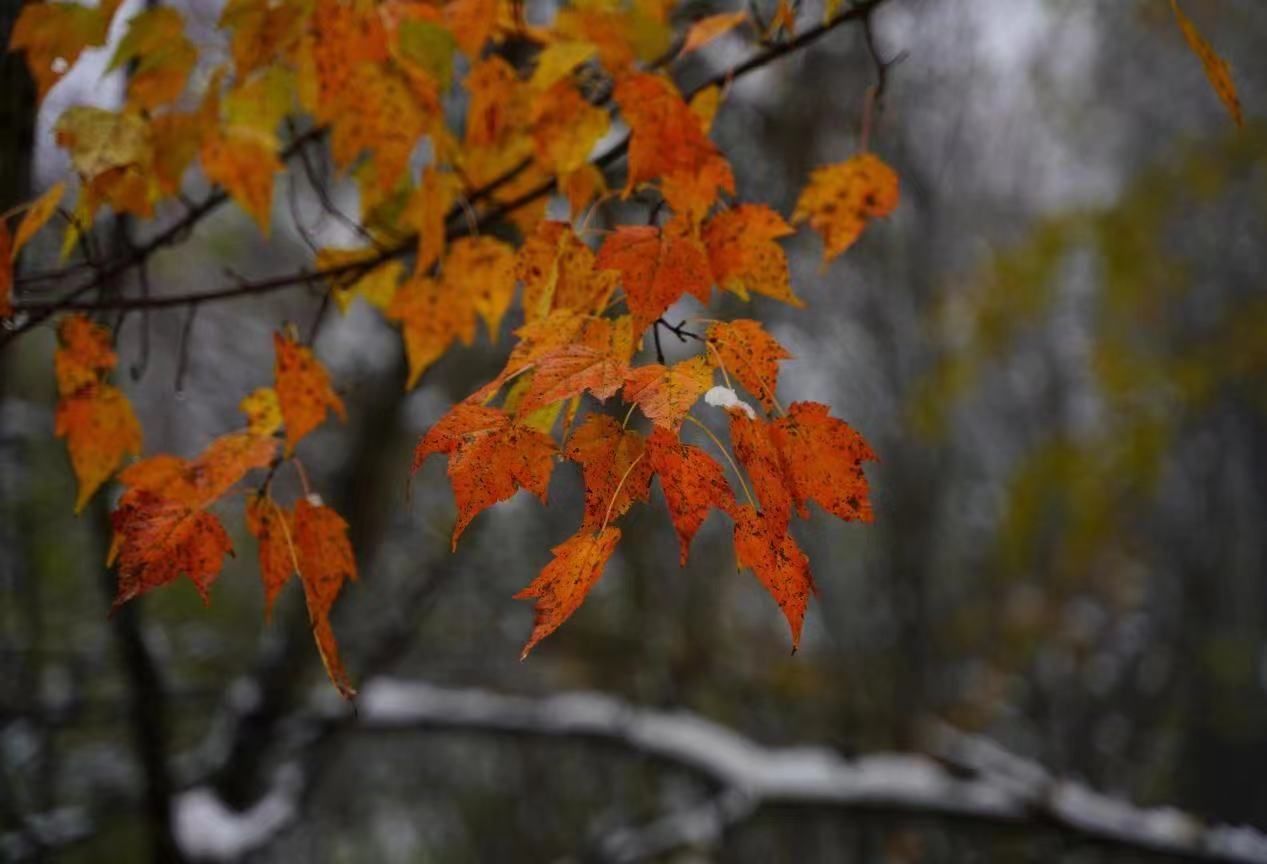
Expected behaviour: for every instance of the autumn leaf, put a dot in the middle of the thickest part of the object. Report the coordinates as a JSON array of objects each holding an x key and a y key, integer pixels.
[
  {"x": 53, "y": 35},
  {"x": 666, "y": 394},
  {"x": 113, "y": 153},
  {"x": 40, "y": 211},
  {"x": 100, "y": 429},
  {"x": 693, "y": 484},
  {"x": 498, "y": 103},
  {"x": 274, "y": 532},
  {"x": 557, "y": 60},
  {"x": 159, "y": 539},
  {"x": 823, "y": 460},
  {"x": 565, "y": 128},
  {"x": 840, "y": 199},
  {"x": 666, "y": 143},
  {"x": 569, "y": 371},
  {"x": 426, "y": 212},
  {"x": 707, "y": 29},
  {"x": 1216, "y": 68},
  {"x": 743, "y": 255},
  {"x": 347, "y": 37},
  {"x": 303, "y": 389},
  {"x": 161, "y": 54},
  {"x": 491, "y": 457},
  {"x": 472, "y": 22},
  {"x": 484, "y": 268},
  {"x": 200, "y": 481},
  {"x": 431, "y": 318},
  {"x": 326, "y": 562},
  {"x": 379, "y": 113},
  {"x": 561, "y": 587},
  {"x": 749, "y": 353},
  {"x": 613, "y": 466},
  {"x": 377, "y": 286},
  {"x": 765, "y": 547},
  {"x": 755, "y": 448},
  {"x": 244, "y": 163},
  {"x": 657, "y": 266},
  {"x": 263, "y": 412},
  {"x": 558, "y": 272}
]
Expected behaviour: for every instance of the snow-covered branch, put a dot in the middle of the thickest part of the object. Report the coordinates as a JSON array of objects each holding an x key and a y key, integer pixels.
[{"x": 962, "y": 778}]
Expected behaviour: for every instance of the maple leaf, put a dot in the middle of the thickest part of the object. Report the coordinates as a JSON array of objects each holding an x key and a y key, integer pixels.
[
  {"x": 162, "y": 56},
  {"x": 380, "y": 113},
  {"x": 263, "y": 412},
  {"x": 498, "y": 103},
  {"x": 274, "y": 531},
  {"x": 561, "y": 587},
  {"x": 83, "y": 354},
  {"x": 158, "y": 539},
  {"x": 483, "y": 267},
  {"x": 613, "y": 466},
  {"x": 823, "y": 460},
  {"x": 376, "y": 287},
  {"x": 431, "y": 317},
  {"x": 749, "y": 353},
  {"x": 100, "y": 429},
  {"x": 755, "y": 448},
  {"x": 303, "y": 389},
  {"x": 244, "y": 163},
  {"x": 263, "y": 31},
  {"x": 565, "y": 128},
  {"x": 1216, "y": 68},
  {"x": 840, "y": 199},
  {"x": 199, "y": 482},
  {"x": 557, "y": 270},
  {"x": 113, "y": 153},
  {"x": 657, "y": 266},
  {"x": 37, "y": 214},
  {"x": 707, "y": 29},
  {"x": 325, "y": 563},
  {"x": 666, "y": 394},
  {"x": 743, "y": 255},
  {"x": 426, "y": 212},
  {"x": 346, "y": 36},
  {"x": 471, "y": 22},
  {"x": 765, "y": 547},
  {"x": 491, "y": 457},
  {"x": 53, "y": 35},
  {"x": 693, "y": 484},
  {"x": 666, "y": 142},
  {"x": 569, "y": 371},
  {"x": 557, "y": 60}
]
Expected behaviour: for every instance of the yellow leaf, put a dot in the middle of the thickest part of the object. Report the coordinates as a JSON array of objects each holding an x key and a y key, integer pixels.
[
  {"x": 840, "y": 199},
  {"x": 707, "y": 29},
  {"x": 263, "y": 412},
  {"x": 557, "y": 61}
]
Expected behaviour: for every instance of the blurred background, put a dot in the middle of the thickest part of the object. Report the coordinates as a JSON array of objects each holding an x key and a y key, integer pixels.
[{"x": 1057, "y": 345}]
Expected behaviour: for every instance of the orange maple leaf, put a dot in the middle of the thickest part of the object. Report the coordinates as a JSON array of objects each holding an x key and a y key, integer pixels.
[
  {"x": 612, "y": 464},
  {"x": 498, "y": 103},
  {"x": 100, "y": 429},
  {"x": 693, "y": 484},
  {"x": 570, "y": 371},
  {"x": 157, "y": 539},
  {"x": 823, "y": 460},
  {"x": 484, "y": 267},
  {"x": 561, "y": 587},
  {"x": 666, "y": 143},
  {"x": 84, "y": 354},
  {"x": 491, "y": 457},
  {"x": 274, "y": 531},
  {"x": 244, "y": 164},
  {"x": 432, "y": 315},
  {"x": 666, "y": 394},
  {"x": 750, "y": 354},
  {"x": 303, "y": 389},
  {"x": 325, "y": 563},
  {"x": 707, "y": 29},
  {"x": 36, "y": 216},
  {"x": 743, "y": 255},
  {"x": 565, "y": 128},
  {"x": 426, "y": 212},
  {"x": 53, "y": 35},
  {"x": 657, "y": 266},
  {"x": 756, "y": 450},
  {"x": 840, "y": 199},
  {"x": 766, "y": 547}
]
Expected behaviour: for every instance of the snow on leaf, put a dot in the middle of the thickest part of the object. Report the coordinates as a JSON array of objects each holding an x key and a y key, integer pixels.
[
  {"x": 823, "y": 459},
  {"x": 657, "y": 266},
  {"x": 750, "y": 354},
  {"x": 725, "y": 398},
  {"x": 840, "y": 199},
  {"x": 491, "y": 457},
  {"x": 303, "y": 389},
  {"x": 35, "y": 218},
  {"x": 666, "y": 143},
  {"x": 325, "y": 563},
  {"x": 561, "y": 587},
  {"x": 1216, "y": 68},
  {"x": 743, "y": 255},
  {"x": 707, "y": 29},
  {"x": 766, "y": 548},
  {"x": 616, "y": 474},
  {"x": 158, "y": 539},
  {"x": 569, "y": 371},
  {"x": 484, "y": 268},
  {"x": 666, "y": 394},
  {"x": 100, "y": 429},
  {"x": 693, "y": 484}
]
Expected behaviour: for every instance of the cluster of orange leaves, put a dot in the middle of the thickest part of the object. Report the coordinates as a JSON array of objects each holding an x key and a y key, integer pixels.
[{"x": 379, "y": 76}]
